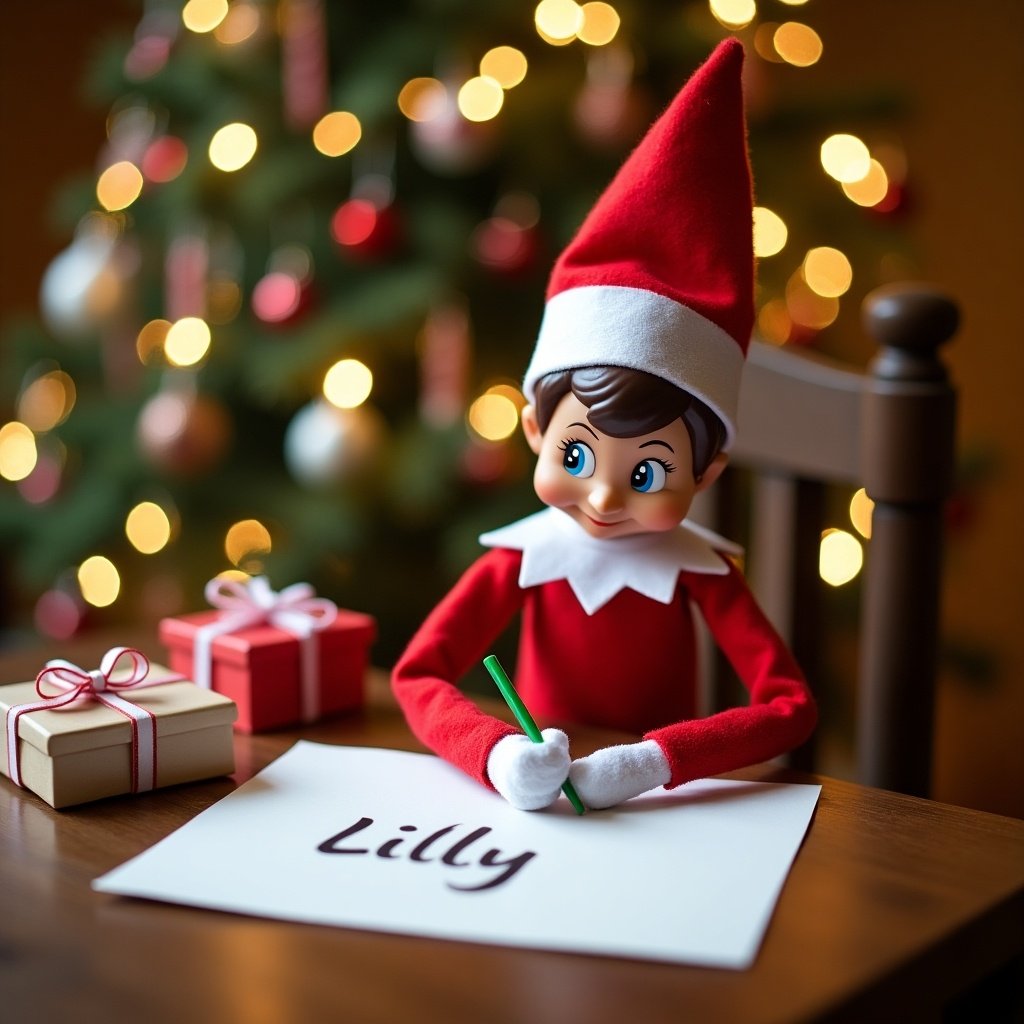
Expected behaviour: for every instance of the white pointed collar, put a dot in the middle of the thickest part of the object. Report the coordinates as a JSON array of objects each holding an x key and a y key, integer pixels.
[{"x": 556, "y": 547}]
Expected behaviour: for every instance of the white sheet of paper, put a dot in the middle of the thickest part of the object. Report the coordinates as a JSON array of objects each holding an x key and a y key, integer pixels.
[{"x": 400, "y": 842}]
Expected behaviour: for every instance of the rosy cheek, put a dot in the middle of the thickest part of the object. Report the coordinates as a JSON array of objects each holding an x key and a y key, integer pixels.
[
  {"x": 666, "y": 513},
  {"x": 551, "y": 485}
]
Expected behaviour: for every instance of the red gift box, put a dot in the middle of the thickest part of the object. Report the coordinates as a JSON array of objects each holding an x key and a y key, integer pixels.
[{"x": 259, "y": 666}]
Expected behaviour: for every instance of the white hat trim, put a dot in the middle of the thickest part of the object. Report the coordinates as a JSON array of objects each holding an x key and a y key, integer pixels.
[{"x": 613, "y": 325}]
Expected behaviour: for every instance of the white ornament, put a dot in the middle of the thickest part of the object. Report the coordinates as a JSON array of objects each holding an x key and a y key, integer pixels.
[
  {"x": 82, "y": 286},
  {"x": 324, "y": 445}
]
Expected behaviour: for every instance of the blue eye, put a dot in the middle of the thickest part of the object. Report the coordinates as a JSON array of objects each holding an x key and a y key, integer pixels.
[
  {"x": 648, "y": 476},
  {"x": 578, "y": 459}
]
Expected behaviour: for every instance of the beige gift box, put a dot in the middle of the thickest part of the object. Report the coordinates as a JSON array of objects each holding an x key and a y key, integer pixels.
[{"x": 82, "y": 751}]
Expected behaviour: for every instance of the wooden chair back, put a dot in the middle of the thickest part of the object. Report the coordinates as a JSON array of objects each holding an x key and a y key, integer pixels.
[{"x": 805, "y": 423}]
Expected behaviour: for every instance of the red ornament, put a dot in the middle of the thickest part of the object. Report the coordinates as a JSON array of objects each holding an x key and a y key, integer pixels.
[{"x": 365, "y": 228}]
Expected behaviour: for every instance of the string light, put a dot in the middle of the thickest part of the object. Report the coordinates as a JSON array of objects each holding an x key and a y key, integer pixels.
[
  {"x": 148, "y": 528},
  {"x": 734, "y": 13},
  {"x": 480, "y": 98},
  {"x": 348, "y": 383},
  {"x": 845, "y": 157},
  {"x": 797, "y": 44},
  {"x": 99, "y": 581},
  {"x": 337, "y": 133},
  {"x": 246, "y": 540},
  {"x": 187, "y": 341},
  {"x": 840, "y": 557},
  {"x": 119, "y": 186},
  {"x": 203, "y": 16},
  {"x": 600, "y": 24},
  {"x": 827, "y": 272},
  {"x": 18, "y": 452},
  {"x": 770, "y": 232},
  {"x": 233, "y": 146}
]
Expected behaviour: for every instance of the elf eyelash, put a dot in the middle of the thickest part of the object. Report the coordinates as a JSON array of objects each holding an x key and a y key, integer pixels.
[
  {"x": 665, "y": 465},
  {"x": 568, "y": 443}
]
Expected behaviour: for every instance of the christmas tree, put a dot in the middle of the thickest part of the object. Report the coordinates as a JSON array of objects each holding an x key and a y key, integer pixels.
[{"x": 308, "y": 270}]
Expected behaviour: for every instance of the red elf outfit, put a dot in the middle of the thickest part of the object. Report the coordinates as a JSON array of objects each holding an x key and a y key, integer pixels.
[{"x": 659, "y": 278}]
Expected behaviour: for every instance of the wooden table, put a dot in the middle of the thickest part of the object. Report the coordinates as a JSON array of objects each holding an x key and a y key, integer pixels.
[{"x": 895, "y": 906}]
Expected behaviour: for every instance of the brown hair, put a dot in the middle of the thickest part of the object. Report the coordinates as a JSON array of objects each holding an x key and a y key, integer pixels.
[{"x": 626, "y": 403}]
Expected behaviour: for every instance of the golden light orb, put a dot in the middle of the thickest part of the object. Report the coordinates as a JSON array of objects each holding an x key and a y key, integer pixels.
[
  {"x": 47, "y": 401},
  {"x": 245, "y": 540},
  {"x": 770, "y": 232},
  {"x": 148, "y": 528},
  {"x": 99, "y": 581},
  {"x": 494, "y": 416},
  {"x": 840, "y": 557},
  {"x": 600, "y": 24},
  {"x": 187, "y": 341},
  {"x": 422, "y": 99},
  {"x": 18, "y": 452},
  {"x": 233, "y": 146},
  {"x": 558, "y": 21},
  {"x": 827, "y": 271},
  {"x": 480, "y": 98},
  {"x": 861, "y": 508},
  {"x": 734, "y": 13},
  {"x": 845, "y": 157},
  {"x": 505, "y": 64},
  {"x": 348, "y": 383},
  {"x": 119, "y": 186},
  {"x": 798, "y": 44},
  {"x": 203, "y": 16},
  {"x": 871, "y": 189},
  {"x": 337, "y": 133}
]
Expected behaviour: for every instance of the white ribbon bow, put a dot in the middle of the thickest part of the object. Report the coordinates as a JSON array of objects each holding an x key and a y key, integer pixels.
[
  {"x": 62, "y": 682},
  {"x": 296, "y": 610}
]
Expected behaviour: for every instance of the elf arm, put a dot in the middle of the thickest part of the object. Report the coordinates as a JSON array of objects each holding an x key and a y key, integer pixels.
[
  {"x": 781, "y": 713},
  {"x": 454, "y": 638}
]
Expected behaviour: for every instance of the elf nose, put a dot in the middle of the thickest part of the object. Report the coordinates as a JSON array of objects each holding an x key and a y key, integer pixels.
[{"x": 605, "y": 499}]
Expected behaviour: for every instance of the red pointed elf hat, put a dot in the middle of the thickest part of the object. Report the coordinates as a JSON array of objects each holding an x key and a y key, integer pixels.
[{"x": 660, "y": 276}]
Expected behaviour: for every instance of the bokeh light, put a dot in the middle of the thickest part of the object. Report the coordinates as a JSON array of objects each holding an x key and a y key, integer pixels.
[
  {"x": 99, "y": 581},
  {"x": 861, "y": 509},
  {"x": 797, "y": 44},
  {"x": 495, "y": 414},
  {"x": 148, "y": 528},
  {"x": 480, "y": 98},
  {"x": 47, "y": 401},
  {"x": 600, "y": 24},
  {"x": 840, "y": 557},
  {"x": 806, "y": 307},
  {"x": 558, "y": 21},
  {"x": 276, "y": 297},
  {"x": 18, "y": 452},
  {"x": 422, "y": 99},
  {"x": 734, "y": 13},
  {"x": 348, "y": 383},
  {"x": 246, "y": 540},
  {"x": 337, "y": 133},
  {"x": 871, "y": 189},
  {"x": 119, "y": 186},
  {"x": 505, "y": 64},
  {"x": 774, "y": 322},
  {"x": 770, "y": 232},
  {"x": 165, "y": 158},
  {"x": 203, "y": 15},
  {"x": 241, "y": 22},
  {"x": 233, "y": 146},
  {"x": 150, "y": 340},
  {"x": 845, "y": 157},
  {"x": 187, "y": 341},
  {"x": 827, "y": 271}
]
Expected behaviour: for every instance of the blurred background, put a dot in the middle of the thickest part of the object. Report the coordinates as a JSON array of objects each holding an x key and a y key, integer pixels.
[{"x": 271, "y": 270}]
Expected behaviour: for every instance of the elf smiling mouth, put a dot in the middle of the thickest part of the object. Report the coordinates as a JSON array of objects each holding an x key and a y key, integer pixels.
[{"x": 597, "y": 522}]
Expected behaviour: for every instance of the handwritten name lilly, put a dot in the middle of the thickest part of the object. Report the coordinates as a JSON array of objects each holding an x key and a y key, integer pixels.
[{"x": 428, "y": 850}]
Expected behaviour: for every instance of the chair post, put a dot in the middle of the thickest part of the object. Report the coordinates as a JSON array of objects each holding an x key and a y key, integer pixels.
[{"x": 908, "y": 454}]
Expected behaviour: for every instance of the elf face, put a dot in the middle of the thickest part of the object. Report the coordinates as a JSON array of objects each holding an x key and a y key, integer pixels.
[{"x": 614, "y": 486}]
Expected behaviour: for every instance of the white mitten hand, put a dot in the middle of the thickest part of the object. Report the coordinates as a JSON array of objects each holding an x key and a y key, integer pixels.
[
  {"x": 609, "y": 776},
  {"x": 527, "y": 774}
]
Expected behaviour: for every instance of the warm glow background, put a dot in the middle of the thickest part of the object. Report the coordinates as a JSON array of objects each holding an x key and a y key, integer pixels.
[{"x": 959, "y": 68}]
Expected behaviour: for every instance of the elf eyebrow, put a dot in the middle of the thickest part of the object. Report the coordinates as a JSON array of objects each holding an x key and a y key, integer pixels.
[
  {"x": 597, "y": 436},
  {"x": 664, "y": 444}
]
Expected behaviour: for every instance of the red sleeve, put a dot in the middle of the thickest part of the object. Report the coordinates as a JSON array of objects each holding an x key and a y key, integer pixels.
[
  {"x": 781, "y": 713},
  {"x": 453, "y": 639}
]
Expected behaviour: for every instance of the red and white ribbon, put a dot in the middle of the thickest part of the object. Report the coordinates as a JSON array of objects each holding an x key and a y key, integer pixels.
[
  {"x": 61, "y": 683},
  {"x": 296, "y": 610}
]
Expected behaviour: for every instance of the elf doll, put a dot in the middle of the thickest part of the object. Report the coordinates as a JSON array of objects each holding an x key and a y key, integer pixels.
[{"x": 632, "y": 392}]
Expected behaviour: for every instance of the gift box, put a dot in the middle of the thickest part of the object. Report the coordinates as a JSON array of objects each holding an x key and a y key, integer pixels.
[
  {"x": 85, "y": 750},
  {"x": 277, "y": 676}
]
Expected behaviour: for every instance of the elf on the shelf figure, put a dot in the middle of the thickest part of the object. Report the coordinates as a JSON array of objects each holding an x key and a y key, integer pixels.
[{"x": 633, "y": 389}]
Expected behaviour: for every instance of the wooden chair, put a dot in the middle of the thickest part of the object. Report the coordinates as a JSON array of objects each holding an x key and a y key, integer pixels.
[{"x": 806, "y": 422}]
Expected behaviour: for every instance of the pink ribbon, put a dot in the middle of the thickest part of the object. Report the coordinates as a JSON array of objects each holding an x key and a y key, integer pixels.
[
  {"x": 296, "y": 610},
  {"x": 61, "y": 683}
]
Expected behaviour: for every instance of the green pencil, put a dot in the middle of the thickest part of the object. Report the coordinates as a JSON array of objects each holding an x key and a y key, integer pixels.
[{"x": 525, "y": 719}]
